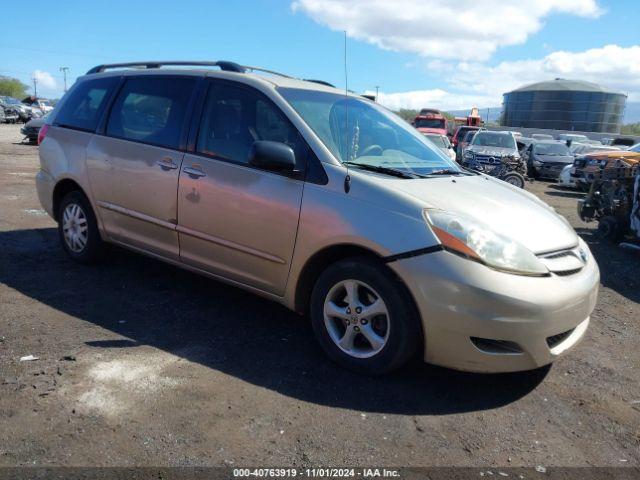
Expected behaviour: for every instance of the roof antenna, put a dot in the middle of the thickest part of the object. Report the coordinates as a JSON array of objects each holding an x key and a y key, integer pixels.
[{"x": 347, "y": 179}]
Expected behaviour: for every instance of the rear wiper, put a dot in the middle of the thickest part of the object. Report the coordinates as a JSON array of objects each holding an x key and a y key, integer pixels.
[{"x": 387, "y": 170}]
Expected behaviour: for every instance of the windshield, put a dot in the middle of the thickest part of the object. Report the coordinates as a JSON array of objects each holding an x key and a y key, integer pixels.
[
  {"x": 438, "y": 140},
  {"x": 491, "y": 139},
  {"x": 552, "y": 149},
  {"x": 356, "y": 130},
  {"x": 429, "y": 123},
  {"x": 635, "y": 148}
]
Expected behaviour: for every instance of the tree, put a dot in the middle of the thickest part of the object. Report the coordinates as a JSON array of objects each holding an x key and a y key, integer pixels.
[
  {"x": 407, "y": 114},
  {"x": 631, "y": 129},
  {"x": 13, "y": 87}
]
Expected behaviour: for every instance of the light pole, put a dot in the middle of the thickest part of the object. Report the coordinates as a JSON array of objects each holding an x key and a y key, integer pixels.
[
  {"x": 64, "y": 71},
  {"x": 35, "y": 87}
]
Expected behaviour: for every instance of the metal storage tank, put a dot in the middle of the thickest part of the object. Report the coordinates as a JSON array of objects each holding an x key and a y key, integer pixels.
[{"x": 562, "y": 104}]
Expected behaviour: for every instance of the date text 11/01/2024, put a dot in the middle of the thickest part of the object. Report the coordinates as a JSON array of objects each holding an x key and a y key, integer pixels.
[{"x": 316, "y": 472}]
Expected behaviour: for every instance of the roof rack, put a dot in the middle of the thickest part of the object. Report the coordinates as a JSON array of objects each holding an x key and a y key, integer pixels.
[
  {"x": 320, "y": 82},
  {"x": 223, "y": 65}
]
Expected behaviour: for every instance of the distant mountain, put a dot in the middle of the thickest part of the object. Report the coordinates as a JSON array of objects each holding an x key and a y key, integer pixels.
[{"x": 631, "y": 113}]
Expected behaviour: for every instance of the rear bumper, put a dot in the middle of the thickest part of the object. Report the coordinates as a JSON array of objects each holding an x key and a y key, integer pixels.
[
  {"x": 44, "y": 185},
  {"x": 459, "y": 300}
]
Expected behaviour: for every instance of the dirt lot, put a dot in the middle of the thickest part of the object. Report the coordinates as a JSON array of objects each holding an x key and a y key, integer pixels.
[{"x": 164, "y": 367}]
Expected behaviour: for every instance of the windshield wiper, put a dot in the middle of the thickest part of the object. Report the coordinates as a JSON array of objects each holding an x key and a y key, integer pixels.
[
  {"x": 447, "y": 171},
  {"x": 387, "y": 170}
]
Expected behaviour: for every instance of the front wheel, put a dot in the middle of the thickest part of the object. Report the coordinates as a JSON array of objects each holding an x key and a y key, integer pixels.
[
  {"x": 514, "y": 178},
  {"x": 363, "y": 317},
  {"x": 78, "y": 229}
]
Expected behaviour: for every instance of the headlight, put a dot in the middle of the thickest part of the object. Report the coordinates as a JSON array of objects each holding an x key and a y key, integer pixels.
[
  {"x": 472, "y": 239},
  {"x": 468, "y": 154}
]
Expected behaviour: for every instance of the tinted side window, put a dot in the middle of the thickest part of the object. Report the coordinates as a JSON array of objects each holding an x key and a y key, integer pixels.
[
  {"x": 151, "y": 110},
  {"x": 235, "y": 117},
  {"x": 83, "y": 108}
]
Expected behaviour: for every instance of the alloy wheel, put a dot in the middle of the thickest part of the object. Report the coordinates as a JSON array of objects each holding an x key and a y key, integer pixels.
[
  {"x": 75, "y": 228},
  {"x": 356, "y": 318}
]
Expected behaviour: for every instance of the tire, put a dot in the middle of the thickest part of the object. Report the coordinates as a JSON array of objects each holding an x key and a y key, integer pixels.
[
  {"x": 76, "y": 206},
  {"x": 399, "y": 328},
  {"x": 609, "y": 229},
  {"x": 514, "y": 178}
]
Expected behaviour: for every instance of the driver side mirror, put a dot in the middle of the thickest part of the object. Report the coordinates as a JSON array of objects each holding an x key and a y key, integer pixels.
[{"x": 274, "y": 156}]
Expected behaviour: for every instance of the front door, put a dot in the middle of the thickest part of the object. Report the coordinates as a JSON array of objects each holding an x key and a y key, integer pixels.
[
  {"x": 235, "y": 220},
  {"x": 135, "y": 165}
]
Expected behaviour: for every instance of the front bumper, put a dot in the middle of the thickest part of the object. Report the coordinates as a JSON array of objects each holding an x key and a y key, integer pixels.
[{"x": 459, "y": 299}]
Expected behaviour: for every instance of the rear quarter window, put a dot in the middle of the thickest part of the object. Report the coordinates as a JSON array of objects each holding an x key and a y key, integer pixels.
[{"x": 86, "y": 102}]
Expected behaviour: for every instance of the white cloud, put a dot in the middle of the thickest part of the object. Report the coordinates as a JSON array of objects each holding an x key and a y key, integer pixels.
[
  {"x": 611, "y": 66},
  {"x": 436, "y": 98},
  {"x": 464, "y": 29},
  {"x": 45, "y": 80}
]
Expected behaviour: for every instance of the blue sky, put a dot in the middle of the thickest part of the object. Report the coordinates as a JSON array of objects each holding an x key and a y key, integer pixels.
[{"x": 451, "y": 54}]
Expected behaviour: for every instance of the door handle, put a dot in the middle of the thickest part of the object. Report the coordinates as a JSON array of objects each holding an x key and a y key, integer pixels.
[
  {"x": 167, "y": 164},
  {"x": 194, "y": 172}
]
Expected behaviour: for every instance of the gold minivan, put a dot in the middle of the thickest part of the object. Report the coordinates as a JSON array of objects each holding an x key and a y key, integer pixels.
[{"x": 321, "y": 200}]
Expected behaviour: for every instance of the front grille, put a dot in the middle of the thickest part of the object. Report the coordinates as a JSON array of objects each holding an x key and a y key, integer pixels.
[
  {"x": 566, "y": 273},
  {"x": 503, "y": 347},
  {"x": 555, "y": 340},
  {"x": 488, "y": 159},
  {"x": 564, "y": 262}
]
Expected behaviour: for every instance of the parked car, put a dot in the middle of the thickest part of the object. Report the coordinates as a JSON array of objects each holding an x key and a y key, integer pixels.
[
  {"x": 623, "y": 142},
  {"x": 464, "y": 143},
  {"x": 541, "y": 136},
  {"x": 546, "y": 159},
  {"x": 460, "y": 133},
  {"x": 392, "y": 249},
  {"x": 496, "y": 153},
  {"x": 583, "y": 149},
  {"x": 8, "y": 115},
  {"x": 573, "y": 137},
  {"x": 41, "y": 104},
  {"x": 589, "y": 167},
  {"x": 15, "y": 109},
  {"x": 443, "y": 143},
  {"x": 610, "y": 200},
  {"x": 31, "y": 129}
]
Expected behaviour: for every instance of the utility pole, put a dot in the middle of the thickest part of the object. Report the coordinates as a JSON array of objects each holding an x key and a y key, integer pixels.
[
  {"x": 35, "y": 87},
  {"x": 377, "y": 88},
  {"x": 64, "y": 71}
]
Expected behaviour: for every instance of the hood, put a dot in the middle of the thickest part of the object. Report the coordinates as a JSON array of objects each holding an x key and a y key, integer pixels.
[
  {"x": 554, "y": 158},
  {"x": 613, "y": 154},
  {"x": 506, "y": 209},
  {"x": 491, "y": 151}
]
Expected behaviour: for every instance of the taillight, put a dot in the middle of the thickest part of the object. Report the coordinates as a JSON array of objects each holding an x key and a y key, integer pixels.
[{"x": 42, "y": 133}]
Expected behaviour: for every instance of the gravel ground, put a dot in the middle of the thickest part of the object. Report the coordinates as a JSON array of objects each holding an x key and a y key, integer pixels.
[{"x": 140, "y": 363}]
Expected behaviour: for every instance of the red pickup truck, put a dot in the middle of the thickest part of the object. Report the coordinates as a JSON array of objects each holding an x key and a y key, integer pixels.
[{"x": 431, "y": 121}]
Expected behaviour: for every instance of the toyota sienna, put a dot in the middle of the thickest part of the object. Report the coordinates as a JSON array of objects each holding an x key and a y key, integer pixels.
[{"x": 321, "y": 200}]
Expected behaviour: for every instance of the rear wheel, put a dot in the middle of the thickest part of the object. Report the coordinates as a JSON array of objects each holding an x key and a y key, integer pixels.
[
  {"x": 78, "y": 229},
  {"x": 363, "y": 318}
]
